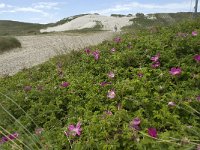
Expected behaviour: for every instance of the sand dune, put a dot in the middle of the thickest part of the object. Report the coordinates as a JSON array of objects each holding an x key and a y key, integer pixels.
[
  {"x": 38, "y": 49},
  {"x": 89, "y": 21}
]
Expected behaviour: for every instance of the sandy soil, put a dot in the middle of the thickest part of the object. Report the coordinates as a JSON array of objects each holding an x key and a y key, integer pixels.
[
  {"x": 89, "y": 21},
  {"x": 38, "y": 49}
]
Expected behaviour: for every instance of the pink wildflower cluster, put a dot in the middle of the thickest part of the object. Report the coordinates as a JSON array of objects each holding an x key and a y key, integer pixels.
[
  {"x": 9, "y": 138},
  {"x": 194, "y": 33},
  {"x": 155, "y": 61},
  {"x": 140, "y": 75},
  {"x": 152, "y": 132},
  {"x": 117, "y": 39},
  {"x": 197, "y": 58},
  {"x": 111, "y": 74},
  {"x": 111, "y": 94},
  {"x": 136, "y": 123},
  {"x": 171, "y": 104},
  {"x": 113, "y": 50},
  {"x": 74, "y": 130},
  {"x": 65, "y": 84},
  {"x": 87, "y": 51},
  {"x": 95, "y": 54},
  {"x": 175, "y": 71}
]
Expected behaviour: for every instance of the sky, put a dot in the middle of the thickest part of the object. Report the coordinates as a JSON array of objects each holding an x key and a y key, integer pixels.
[{"x": 47, "y": 11}]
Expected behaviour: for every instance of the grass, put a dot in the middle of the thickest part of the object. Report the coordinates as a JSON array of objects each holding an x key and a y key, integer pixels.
[
  {"x": 10, "y": 28},
  {"x": 140, "y": 91},
  {"x": 162, "y": 19},
  {"x": 8, "y": 43}
]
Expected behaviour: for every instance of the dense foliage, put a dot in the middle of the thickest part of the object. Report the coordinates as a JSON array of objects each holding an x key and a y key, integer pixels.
[
  {"x": 8, "y": 43},
  {"x": 158, "y": 19},
  {"x": 140, "y": 91}
]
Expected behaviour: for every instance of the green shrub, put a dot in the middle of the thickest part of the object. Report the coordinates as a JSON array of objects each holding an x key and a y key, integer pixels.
[
  {"x": 68, "y": 89},
  {"x": 8, "y": 43}
]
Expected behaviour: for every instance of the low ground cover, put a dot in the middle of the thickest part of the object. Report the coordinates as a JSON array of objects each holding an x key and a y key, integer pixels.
[{"x": 140, "y": 91}]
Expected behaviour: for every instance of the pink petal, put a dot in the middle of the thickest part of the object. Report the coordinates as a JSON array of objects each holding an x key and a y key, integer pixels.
[
  {"x": 175, "y": 71},
  {"x": 136, "y": 121},
  {"x": 111, "y": 74},
  {"x": 197, "y": 58},
  {"x": 152, "y": 132},
  {"x": 172, "y": 104},
  {"x": 78, "y": 125},
  {"x": 71, "y": 127},
  {"x": 87, "y": 50},
  {"x": 111, "y": 94},
  {"x": 140, "y": 75},
  {"x": 78, "y": 133},
  {"x": 194, "y": 33},
  {"x": 113, "y": 50},
  {"x": 155, "y": 58}
]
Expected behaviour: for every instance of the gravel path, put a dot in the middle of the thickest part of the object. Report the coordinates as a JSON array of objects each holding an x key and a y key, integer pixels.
[{"x": 38, "y": 49}]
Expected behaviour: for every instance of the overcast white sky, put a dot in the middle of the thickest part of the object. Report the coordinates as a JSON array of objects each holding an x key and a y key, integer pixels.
[{"x": 45, "y": 11}]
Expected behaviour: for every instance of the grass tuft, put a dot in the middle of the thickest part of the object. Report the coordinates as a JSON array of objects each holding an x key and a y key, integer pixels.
[{"x": 8, "y": 43}]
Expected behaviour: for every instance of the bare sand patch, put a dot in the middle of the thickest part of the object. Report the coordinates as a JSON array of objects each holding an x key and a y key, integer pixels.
[
  {"x": 38, "y": 49},
  {"x": 89, "y": 21}
]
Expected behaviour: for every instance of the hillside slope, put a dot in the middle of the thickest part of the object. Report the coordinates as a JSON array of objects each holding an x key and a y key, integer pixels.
[
  {"x": 18, "y": 28},
  {"x": 90, "y": 21},
  {"x": 139, "y": 91}
]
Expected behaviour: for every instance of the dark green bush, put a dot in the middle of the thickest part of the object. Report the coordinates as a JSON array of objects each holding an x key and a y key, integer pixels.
[{"x": 8, "y": 43}]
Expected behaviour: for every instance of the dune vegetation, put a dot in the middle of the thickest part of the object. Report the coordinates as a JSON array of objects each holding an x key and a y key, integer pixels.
[
  {"x": 8, "y": 43},
  {"x": 10, "y": 28},
  {"x": 139, "y": 91},
  {"x": 158, "y": 19}
]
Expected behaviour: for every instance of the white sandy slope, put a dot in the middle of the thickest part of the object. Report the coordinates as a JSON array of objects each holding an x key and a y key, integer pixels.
[
  {"x": 89, "y": 21},
  {"x": 37, "y": 49}
]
